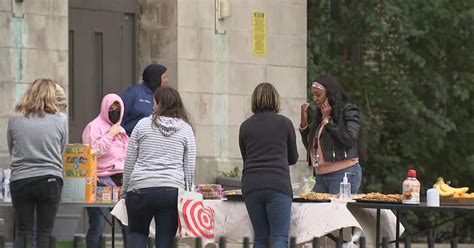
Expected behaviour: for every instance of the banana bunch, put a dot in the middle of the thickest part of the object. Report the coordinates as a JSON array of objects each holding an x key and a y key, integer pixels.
[{"x": 445, "y": 190}]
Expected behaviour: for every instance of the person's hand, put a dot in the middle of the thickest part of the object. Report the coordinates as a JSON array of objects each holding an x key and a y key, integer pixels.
[
  {"x": 304, "y": 114},
  {"x": 115, "y": 130},
  {"x": 326, "y": 109},
  {"x": 122, "y": 195}
]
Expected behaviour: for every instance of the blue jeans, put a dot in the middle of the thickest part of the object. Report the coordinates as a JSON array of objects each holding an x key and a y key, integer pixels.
[
  {"x": 329, "y": 183},
  {"x": 97, "y": 216},
  {"x": 97, "y": 219},
  {"x": 144, "y": 204},
  {"x": 270, "y": 213}
]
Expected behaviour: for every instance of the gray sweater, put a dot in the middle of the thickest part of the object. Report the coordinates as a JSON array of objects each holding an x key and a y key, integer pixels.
[
  {"x": 162, "y": 155},
  {"x": 36, "y": 145}
]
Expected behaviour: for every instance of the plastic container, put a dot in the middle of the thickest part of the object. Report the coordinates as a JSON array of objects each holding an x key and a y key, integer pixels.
[
  {"x": 411, "y": 188},
  {"x": 432, "y": 198},
  {"x": 345, "y": 188},
  {"x": 305, "y": 186}
]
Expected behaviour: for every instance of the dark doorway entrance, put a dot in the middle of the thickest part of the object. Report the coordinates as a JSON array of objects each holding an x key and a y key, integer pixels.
[{"x": 101, "y": 56}]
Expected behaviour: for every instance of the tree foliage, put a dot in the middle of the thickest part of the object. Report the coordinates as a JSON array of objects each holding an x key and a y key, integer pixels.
[{"x": 409, "y": 65}]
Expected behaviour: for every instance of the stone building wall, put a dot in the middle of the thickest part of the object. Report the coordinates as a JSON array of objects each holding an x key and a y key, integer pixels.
[
  {"x": 209, "y": 61},
  {"x": 217, "y": 73},
  {"x": 157, "y": 35},
  {"x": 33, "y": 44}
]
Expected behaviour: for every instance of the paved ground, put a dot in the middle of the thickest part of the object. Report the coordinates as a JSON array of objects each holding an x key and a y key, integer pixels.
[{"x": 190, "y": 244}]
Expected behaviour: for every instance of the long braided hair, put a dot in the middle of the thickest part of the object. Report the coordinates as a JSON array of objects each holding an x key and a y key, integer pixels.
[{"x": 337, "y": 98}]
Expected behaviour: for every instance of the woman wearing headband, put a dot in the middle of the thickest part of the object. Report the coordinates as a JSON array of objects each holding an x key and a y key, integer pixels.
[{"x": 331, "y": 137}]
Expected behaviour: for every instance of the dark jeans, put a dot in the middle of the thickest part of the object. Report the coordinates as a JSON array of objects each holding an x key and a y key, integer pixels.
[
  {"x": 97, "y": 216},
  {"x": 270, "y": 213},
  {"x": 329, "y": 183},
  {"x": 43, "y": 196},
  {"x": 97, "y": 220},
  {"x": 142, "y": 206}
]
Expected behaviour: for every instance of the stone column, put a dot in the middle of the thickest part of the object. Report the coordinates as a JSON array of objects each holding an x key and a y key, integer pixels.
[{"x": 158, "y": 35}]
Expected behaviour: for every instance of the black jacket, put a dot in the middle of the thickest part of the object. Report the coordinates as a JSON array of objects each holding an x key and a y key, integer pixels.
[
  {"x": 267, "y": 143},
  {"x": 338, "y": 140}
]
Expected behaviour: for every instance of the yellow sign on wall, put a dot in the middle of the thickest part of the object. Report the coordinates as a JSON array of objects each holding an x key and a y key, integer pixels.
[{"x": 259, "y": 40}]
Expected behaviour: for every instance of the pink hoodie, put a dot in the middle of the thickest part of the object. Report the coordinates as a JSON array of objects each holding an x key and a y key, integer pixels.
[{"x": 111, "y": 151}]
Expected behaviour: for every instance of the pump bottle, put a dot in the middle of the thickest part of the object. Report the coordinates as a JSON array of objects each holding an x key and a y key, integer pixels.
[{"x": 345, "y": 188}]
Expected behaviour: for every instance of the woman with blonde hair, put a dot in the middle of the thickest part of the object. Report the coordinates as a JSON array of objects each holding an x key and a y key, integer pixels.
[
  {"x": 268, "y": 146},
  {"x": 36, "y": 161}
]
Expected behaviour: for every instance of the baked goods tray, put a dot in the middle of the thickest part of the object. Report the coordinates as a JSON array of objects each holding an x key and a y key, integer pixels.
[
  {"x": 240, "y": 198},
  {"x": 299, "y": 199},
  {"x": 377, "y": 201},
  {"x": 234, "y": 197}
]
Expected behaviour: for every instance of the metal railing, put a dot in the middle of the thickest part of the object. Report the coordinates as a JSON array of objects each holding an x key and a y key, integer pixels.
[{"x": 79, "y": 242}]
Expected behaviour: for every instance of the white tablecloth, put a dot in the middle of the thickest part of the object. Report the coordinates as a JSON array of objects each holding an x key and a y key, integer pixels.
[{"x": 308, "y": 220}]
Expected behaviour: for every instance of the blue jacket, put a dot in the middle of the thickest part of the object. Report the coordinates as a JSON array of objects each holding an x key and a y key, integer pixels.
[{"x": 138, "y": 103}]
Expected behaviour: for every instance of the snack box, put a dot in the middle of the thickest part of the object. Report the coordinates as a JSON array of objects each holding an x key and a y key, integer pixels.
[
  {"x": 80, "y": 190},
  {"x": 104, "y": 194},
  {"x": 79, "y": 161},
  {"x": 116, "y": 193},
  {"x": 80, "y": 174}
]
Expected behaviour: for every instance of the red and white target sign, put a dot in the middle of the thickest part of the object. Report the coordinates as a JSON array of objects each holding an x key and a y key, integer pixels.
[{"x": 195, "y": 220}]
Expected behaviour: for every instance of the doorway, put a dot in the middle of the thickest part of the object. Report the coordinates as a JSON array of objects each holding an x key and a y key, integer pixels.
[{"x": 101, "y": 57}]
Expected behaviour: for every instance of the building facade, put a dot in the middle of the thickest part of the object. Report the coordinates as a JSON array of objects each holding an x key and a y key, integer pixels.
[{"x": 216, "y": 52}]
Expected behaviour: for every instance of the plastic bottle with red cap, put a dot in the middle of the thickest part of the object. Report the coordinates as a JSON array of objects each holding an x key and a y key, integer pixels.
[{"x": 411, "y": 188}]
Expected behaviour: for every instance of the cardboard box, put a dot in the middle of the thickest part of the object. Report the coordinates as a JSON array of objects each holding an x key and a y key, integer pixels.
[
  {"x": 116, "y": 193},
  {"x": 104, "y": 194},
  {"x": 79, "y": 162},
  {"x": 79, "y": 190},
  {"x": 451, "y": 201},
  {"x": 80, "y": 174}
]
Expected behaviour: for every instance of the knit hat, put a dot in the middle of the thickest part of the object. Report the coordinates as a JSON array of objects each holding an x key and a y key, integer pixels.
[
  {"x": 61, "y": 98},
  {"x": 152, "y": 75}
]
